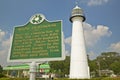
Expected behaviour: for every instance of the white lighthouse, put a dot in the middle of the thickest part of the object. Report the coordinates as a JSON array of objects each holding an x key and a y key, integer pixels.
[{"x": 78, "y": 65}]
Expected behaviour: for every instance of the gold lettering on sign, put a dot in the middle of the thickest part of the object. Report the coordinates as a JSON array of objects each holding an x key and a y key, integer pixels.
[{"x": 42, "y": 40}]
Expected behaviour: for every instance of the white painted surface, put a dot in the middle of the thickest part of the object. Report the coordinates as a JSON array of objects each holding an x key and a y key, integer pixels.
[
  {"x": 33, "y": 68},
  {"x": 78, "y": 64}
]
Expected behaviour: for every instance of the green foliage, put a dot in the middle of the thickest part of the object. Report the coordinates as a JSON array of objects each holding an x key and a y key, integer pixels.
[
  {"x": 109, "y": 78},
  {"x": 106, "y": 61},
  {"x": 14, "y": 79},
  {"x": 93, "y": 65},
  {"x": 60, "y": 67},
  {"x": 115, "y": 67},
  {"x": 107, "y": 58},
  {"x": 1, "y": 69},
  {"x": 2, "y": 75},
  {"x": 101, "y": 78},
  {"x": 117, "y": 78},
  {"x": 21, "y": 79},
  {"x": 109, "y": 61}
]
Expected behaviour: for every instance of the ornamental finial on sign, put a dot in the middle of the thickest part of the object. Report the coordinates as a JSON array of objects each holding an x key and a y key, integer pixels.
[{"x": 37, "y": 18}]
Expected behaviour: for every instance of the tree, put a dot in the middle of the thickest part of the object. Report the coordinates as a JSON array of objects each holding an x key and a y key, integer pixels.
[
  {"x": 60, "y": 67},
  {"x": 105, "y": 61},
  {"x": 107, "y": 58},
  {"x": 93, "y": 65},
  {"x": 1, "y": 69},
  {"x": 115, "y": 66}
]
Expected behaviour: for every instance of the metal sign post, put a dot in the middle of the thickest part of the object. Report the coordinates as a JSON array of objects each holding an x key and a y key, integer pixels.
[
  {"x": 37, "y": 41},
  {"x": 33, "y": 68}
]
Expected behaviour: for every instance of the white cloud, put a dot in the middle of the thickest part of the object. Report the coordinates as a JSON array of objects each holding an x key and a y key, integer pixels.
[
  {"x": 4, "y": 47},
  {"x": 92, "y": 55},
  {"x": 96, "y": 2},
  {"x": 115, "y": 47},
  {"x": 6, "y": 43},
  {"x": 2, "y": 34},
  {"x": 92, "y": 34},
  {"x": 68, "y": 40},
  {"x": 67, "y": 53}
]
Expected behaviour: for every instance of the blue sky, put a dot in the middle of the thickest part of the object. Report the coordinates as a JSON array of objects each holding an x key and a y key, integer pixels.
[{"x": 101, "y": 28}]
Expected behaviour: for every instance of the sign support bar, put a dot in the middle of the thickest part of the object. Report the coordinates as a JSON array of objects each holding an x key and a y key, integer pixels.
[{"x": 33, "y": 68}]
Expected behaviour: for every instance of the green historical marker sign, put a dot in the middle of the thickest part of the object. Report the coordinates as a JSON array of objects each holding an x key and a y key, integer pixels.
[{"x": 38, "y": 40}]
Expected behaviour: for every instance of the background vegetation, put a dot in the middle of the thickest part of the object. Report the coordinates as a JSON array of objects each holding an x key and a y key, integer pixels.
[{"x": 105, "y": 61}]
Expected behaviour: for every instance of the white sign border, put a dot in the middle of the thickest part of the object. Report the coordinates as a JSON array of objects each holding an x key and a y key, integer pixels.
[{"x": 40, "y": 59}]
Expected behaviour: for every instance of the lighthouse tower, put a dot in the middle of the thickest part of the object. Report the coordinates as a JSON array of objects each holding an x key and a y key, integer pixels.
[{"x": 78, "y": 63}]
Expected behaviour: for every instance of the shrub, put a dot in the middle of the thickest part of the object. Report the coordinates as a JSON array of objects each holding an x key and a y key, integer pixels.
[
  {"x": 116, "y": 78},
  {"x": 101, "y": 78},
  {"x": 2, "y": 75}
]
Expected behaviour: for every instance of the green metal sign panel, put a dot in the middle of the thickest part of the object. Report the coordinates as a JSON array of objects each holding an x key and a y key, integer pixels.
[{"x": 38, "y": 39}]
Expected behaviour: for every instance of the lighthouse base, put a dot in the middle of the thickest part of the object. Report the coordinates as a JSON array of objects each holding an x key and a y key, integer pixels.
[{"x": 81, "y": 72}]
